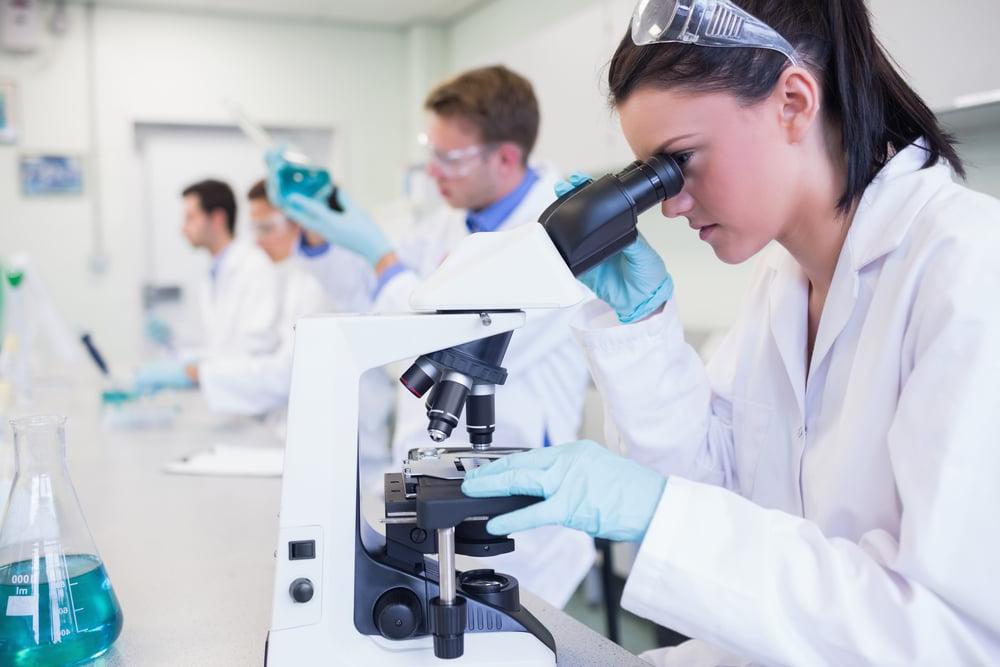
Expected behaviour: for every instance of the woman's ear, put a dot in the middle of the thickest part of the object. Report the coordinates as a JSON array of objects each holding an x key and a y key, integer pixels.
[{"x": 797, "y": 98}]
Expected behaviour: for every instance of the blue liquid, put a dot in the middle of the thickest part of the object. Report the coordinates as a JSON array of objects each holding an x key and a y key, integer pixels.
[
  {"x": 313, "y": 182},
  {"x": 85, "y": 622}
]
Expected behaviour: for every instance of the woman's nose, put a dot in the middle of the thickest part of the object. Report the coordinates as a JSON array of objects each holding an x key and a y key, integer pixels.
[{"x": 678, "y": 205}]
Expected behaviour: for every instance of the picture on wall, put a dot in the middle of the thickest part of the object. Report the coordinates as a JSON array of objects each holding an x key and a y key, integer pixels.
[
  {"x": 44, "y": 175},
  {"x": 8, "y": 126}
]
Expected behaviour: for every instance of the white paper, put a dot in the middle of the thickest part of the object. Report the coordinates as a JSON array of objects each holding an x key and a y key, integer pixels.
[{"x": 231, "y": 461}]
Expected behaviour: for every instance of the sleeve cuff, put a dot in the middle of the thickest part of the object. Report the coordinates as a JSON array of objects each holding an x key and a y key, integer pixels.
[
  {"x": 691, "y": 559},
  {"x": 387, "y": 277},
  {"x": 598, "y": 330}
]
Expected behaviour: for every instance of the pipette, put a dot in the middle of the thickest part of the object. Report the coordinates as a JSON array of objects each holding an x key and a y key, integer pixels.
[{"x": 261, "y": 137}]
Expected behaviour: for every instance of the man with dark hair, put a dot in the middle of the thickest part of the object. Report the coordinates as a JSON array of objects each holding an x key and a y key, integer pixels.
[
  {"x": 239, "y": 299},
  {"x": 481, "y": 129},
  {"x": 210, "y": 197}
]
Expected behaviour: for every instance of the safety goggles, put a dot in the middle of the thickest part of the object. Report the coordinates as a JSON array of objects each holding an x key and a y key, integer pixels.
[
  {"x": 457, "y": 162},
  {"x": 272, "y": 223},
  {"x": 704, "y": 23}
]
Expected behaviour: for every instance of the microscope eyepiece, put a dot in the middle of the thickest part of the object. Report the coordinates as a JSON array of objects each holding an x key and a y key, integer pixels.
[
  {"x": 650, "y": 182},
  {"x": 596, "y": 220}
]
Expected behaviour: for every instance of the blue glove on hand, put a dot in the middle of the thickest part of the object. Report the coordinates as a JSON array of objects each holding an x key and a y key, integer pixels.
[
  {"x": 585, "y": 487},
  {"x": 351, "y": 229},
  {"x": 159, "y": 332},
  {"x": 634, "y": 282},
  {"x": 157, "y": 375}
]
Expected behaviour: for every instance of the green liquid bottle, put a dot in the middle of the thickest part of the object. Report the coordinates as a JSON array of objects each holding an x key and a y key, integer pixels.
[{"x": 57, "y": 606}]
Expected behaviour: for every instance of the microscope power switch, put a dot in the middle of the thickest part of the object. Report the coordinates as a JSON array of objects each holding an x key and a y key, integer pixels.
[
  {"x": 301, "y": 590},
  {"x": 302, "y": 550}
]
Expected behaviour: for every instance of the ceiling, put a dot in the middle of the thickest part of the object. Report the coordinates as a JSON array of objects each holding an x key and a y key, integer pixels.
[{"x": 388, "y": 13}]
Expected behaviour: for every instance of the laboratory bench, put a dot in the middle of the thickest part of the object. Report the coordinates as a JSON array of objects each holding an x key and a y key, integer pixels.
[{"x": 191, "y": 558}]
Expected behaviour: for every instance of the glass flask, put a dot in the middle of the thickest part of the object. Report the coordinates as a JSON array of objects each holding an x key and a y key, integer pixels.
[
  {"x": 300, "y": 177},
  {"x": 57, "y": 606}
]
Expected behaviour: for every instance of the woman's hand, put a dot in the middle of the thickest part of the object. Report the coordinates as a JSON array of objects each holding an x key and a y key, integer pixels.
[
  {"x": 634, "y": 282},
  {"x": 585, "y": 487}
]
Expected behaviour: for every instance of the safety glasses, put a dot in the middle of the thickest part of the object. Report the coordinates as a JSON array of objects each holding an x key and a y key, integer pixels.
[
  {"x": 705, "y": 23},
  {"x": 272, "y": 223},
  {"x": 457, "y": 162}
]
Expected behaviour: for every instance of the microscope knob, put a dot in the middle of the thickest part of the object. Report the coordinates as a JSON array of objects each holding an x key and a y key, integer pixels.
[
  {"x": 301, "y": 590},
  {"x": 398, "y": 613}
]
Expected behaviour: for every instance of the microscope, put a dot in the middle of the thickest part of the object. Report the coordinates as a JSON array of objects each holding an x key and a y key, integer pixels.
[{"x": 347, "y": 594}]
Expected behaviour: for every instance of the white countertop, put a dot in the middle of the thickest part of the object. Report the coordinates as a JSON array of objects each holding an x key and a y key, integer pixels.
[{"x": 191, "y": 558}]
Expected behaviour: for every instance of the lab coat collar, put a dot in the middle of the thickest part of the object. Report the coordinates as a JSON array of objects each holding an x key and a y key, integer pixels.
[
  {"x": 229, "y": 260},
  {"x": 887, "y": 209},
  {"x": 538, "y": 197},
  {"x": 892, "y": 202},
  {"x": 788, "y": 300},
  {"x": 218, "y": 260}
]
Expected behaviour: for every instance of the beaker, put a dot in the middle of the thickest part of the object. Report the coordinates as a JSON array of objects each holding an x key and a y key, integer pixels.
[
  {"x": 57, "y": 606},
  {"x": 303, "y": 178}
]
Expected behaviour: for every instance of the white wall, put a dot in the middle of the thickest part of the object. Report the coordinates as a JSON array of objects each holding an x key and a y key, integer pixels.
[
  {"x": 945, "y": 49},
  {"x": 171, "y": 67},
  {"x": 564, "y": 46},
  {"x": 368, "y": 85}
]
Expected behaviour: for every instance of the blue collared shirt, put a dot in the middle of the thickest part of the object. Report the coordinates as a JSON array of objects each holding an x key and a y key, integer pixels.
[
  {"x": 312, "y": 250},
  {"x": 484, "y": 220},
  {"x": 489, "y": 218}
]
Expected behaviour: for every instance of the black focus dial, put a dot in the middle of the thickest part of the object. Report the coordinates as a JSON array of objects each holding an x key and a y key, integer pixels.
[{"x": 398, "y": 613}]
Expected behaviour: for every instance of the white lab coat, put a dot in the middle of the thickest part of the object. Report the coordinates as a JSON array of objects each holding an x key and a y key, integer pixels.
[
  {"x": 851, "y": 519},
  {"x": 347, "y": 278},
  {"x": 239, "y": 306},
  {"x": 259, "y": 384},
  {"x": 543, "y": 394},
  {"x": 348, "y": 281}
]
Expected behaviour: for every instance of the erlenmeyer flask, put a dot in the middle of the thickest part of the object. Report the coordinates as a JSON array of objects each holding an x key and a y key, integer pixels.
[
  {"x": 57, "y": 606},
  {"x": 305, "y": 179}
]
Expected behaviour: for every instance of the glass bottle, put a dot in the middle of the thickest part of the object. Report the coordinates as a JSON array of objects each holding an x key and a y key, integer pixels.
[
  {"x": 297, "y": 174},
  {"x": 57, "y": 606}
]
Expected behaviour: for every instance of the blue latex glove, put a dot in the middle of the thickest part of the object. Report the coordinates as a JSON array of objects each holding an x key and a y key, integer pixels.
[
  {"x": 157, "y": 375},
  {"x": 351, "y": 229},
  {"x": 159, "y": 331},
  {"x": 575, "y": 180},
  {"x": 585, "y": 487},
  {"x": 634, "y": 282}
]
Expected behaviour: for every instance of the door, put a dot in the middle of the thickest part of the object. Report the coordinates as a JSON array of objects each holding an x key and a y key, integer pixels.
[{"x": 173, "y": 156}]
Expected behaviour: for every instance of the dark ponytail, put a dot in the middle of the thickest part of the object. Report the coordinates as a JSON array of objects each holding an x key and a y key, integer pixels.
[{"x": 877, "y": 111}]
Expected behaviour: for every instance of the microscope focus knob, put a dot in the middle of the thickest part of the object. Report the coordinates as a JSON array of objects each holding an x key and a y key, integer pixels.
[
  {"x": 398, "y": 613},
  {"x": 301, "y": 590}
]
